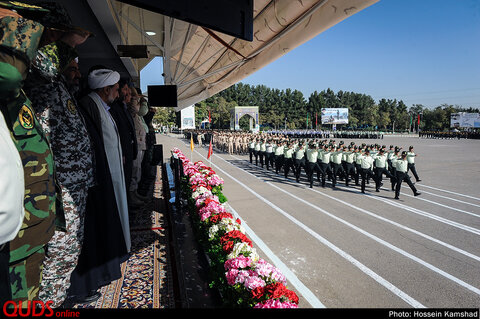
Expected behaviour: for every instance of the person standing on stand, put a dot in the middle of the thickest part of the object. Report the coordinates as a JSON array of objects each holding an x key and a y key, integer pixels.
[{"x": 21, "y": 32}]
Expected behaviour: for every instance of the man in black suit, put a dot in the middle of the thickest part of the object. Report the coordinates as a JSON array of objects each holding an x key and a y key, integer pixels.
[{"x": 126, "y": 129}]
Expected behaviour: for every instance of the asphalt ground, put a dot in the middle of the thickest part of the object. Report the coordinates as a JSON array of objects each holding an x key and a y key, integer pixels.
[{"x": 343, "y": 249}]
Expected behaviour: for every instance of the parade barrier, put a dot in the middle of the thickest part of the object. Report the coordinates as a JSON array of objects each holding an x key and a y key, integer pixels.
[{"x": 241, "y": 276}]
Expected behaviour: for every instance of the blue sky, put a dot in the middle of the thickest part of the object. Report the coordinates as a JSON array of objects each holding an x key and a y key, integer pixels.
[{"x": 419, "y": 51}]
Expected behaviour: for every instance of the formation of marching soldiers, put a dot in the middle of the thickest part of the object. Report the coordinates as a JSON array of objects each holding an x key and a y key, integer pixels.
[
  {"x": 335, "y": 162},
  {"x": 449, "y": 135}
]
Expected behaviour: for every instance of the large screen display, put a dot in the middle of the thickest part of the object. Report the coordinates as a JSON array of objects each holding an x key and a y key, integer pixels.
[
  {"x": 335, "y": 116},
  {"x": 465, "y": 120}
]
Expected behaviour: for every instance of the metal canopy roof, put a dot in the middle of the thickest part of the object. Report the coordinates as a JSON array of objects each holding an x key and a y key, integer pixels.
[{"x": 199, "y": 61}]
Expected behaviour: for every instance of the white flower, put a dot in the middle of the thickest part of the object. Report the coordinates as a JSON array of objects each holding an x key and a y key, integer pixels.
[
  {"x": 212, "y": 231},
  {"x": 244, "y": 249}
]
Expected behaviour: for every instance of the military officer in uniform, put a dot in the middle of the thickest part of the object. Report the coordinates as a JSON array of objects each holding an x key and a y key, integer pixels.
[
  {"x": 65, "y": 129},
  {"x": 261, "y": 153},
  {"x": 366, "y": 169},
  {"x": 381, "y": 168},
  {"x": 299, "y": 160},
  {"x": 279, "y": 156},
  {"x": 312, "y": 164},
  {"x": 19, "y": 40},
  {"x": 251, "y": 149},
  {"x": 411, "y": 163},
  {"x": 349, "y": 155},
  {"x": 288, "y": 159},
  {"x": 402, "y": 175},
  {"x": 324, "y": 164},
  {"x": 256, "y": 150},
  {"x": 337, "y": 168},
  {"x": 269, "y": 154}
]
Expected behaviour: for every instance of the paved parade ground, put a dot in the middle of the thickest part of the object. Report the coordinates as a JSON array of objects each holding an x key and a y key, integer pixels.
[{"x": 341, "y": 249}]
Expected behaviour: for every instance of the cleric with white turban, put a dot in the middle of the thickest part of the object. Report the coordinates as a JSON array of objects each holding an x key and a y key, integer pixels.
[
  {"x": 104, "y": 84},
  {"x": 101, "y": 78}
]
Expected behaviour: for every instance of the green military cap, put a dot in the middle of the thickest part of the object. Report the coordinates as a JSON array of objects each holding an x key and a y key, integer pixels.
[{"x": 28, "y": 11}]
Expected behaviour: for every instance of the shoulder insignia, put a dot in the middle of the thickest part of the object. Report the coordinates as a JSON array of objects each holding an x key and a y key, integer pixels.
[
  {"x": 25, "y": 117},
  {"x": 71, "y": 107}
]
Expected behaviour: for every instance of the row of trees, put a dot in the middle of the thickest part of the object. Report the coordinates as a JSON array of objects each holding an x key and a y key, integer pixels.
[{"x": 289, "y": 107}]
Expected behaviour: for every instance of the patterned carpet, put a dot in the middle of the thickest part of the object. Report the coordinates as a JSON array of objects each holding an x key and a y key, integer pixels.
[{"x": 146, "y": 277}]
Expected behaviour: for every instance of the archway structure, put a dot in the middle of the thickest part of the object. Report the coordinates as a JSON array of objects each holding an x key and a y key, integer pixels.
[{"x": 239, "y": 111}]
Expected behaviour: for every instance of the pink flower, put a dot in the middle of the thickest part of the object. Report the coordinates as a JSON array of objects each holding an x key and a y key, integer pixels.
[
  {"x": 274, "y": 303},
  {"x": 239, "y": 262},
  {"x": 231, "y": 276},
  {"x": 253, "y": 282}
]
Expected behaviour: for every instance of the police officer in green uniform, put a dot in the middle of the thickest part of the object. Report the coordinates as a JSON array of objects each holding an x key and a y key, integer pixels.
[
  {"x": 279, "y": 156},
  {"x": 288, "y": 159},
  {"x": 381, "y": 168},
  {"x": 19, "y": 41},
  {"x": 349, "y": 156},
  {"x": 312, "y": 164},
  {"x": 299, "y": 160},
  {"x": 402, "y": 175}
]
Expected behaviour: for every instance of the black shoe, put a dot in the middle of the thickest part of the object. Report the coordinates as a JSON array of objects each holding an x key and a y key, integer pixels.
[
  {"x": 93, "y": 296},
  {"x": 396, "y": 197},
  {"x": 416, "y": 194},
  {"x": 377, "y": 190},
  {"x": 363, "y": 192},
  {"x": 419, "y": 180}
]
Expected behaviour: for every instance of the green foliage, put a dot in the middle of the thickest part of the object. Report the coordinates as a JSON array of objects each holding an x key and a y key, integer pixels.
[{"x": 289, "y": 107}]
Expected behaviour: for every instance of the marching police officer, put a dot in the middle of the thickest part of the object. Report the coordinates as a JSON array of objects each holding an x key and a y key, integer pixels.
[
  {"x": 366, "y": 169},
  {"x": 299, "y": 160},
  {"x": 279, "y": 156},
  {"x": 288, "y": 159},
  {"x": 411, "y": 163},
  {"x": 381, "y": 168},
  {"x": 402, "y": 175},
  {"x": 312, "y": 164}
]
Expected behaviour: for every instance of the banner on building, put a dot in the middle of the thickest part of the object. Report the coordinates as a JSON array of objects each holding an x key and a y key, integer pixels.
[
  {"x": 465, "y": 120},
  {"x": 335, "y": 116}
]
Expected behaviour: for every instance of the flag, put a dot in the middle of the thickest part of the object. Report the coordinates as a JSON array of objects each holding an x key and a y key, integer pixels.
[
  {"x": 418, "y": 119},
  {"x": 210, "y": 149},
  {"x": 209, "y": 117},
  {"x": 191, "y": 142},
  {"x": 316, "y": 120},
  {"x": 307, "y": 120}
]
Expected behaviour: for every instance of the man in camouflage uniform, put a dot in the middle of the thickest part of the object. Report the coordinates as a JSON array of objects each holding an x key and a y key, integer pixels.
[
  {"x": 65, "y": 129},
  {"x": 19, "y": 40}
]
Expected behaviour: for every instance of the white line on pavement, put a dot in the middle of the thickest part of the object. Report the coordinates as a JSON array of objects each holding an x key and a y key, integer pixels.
[
  {"x": 375, "y": 238},
  {"x": 291, "y": 277},
  {"x": 446, "y": 191},
  {"x": 446, "y": 206},
  {"x": 324, "y": 241},
  {"x": 450, "y": 198}
]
